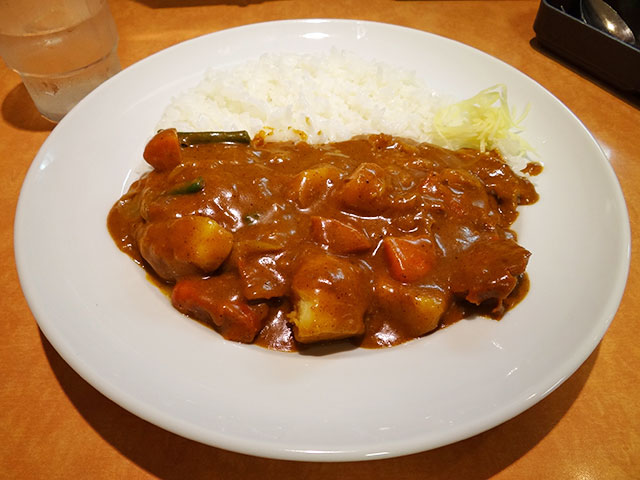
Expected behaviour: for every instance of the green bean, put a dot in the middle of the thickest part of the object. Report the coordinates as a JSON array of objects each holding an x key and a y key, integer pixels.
[
  {"x": 187, "y": 188},
  {"x": 251, "y": 218},
  {"x": 195, "y": 138}
]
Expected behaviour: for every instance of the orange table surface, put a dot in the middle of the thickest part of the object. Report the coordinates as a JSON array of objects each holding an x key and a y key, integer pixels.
[{"x": 55, "y": 425}]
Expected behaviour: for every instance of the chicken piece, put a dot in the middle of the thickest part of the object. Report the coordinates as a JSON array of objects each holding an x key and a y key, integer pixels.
[
  {"x": 263, "y": 268},
  {"x": 366, "y": 191},
  {"x": 330, "y": 298},
  {"x": 184, "y": 246},
  {"x": 507, "y": 186},
  {"x": 218, "y": 301},
  {"x": 312, "y": 185},
  {"x": 489, "y": 269},
  {"x": 338, "y": 237},
  {"x": 416, "y": 309},
  {"x": 461, "y": 195}
]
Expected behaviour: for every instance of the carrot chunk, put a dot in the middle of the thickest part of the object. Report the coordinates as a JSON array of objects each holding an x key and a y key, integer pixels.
[
  {"x": 163, "y": 150},
  {"x": 218, "y": 301},
  {"x": 408, "y": 258}
]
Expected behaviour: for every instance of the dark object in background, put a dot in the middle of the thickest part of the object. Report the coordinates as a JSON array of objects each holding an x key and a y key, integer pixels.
[
  {"x": 559, "y": 28},
  {"x": 600, "y": 14}
]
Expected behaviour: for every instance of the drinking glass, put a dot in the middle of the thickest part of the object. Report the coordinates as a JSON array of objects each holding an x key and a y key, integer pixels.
[{"x": 62, "y": 49}]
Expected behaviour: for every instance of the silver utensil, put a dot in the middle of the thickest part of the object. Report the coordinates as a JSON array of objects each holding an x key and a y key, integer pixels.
[{"x": 601, "y": 15}]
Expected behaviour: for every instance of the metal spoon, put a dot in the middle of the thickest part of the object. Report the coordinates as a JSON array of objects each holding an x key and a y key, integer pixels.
[{"x": 600, "y": 15}]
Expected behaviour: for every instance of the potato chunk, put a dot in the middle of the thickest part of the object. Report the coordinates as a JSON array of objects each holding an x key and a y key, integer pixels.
[
  {"x": 184, "y": 246},
  {"x": 313, "y": 184},
  {"x": 418, "y": 309},
  {"x": 330, "y": 298}
]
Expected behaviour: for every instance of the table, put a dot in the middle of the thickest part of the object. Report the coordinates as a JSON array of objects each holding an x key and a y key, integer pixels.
[{"x": 55, "y": 425}]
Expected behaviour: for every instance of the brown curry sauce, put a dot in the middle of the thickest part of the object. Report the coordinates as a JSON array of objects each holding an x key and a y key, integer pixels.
[{"x": 393, "y": 239}]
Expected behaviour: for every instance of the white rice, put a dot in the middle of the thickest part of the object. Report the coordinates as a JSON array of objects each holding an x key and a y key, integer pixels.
[{"x": 315, "y": 97}]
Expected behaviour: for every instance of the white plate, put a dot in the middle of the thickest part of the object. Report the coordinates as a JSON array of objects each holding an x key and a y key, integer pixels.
[{"x": 121, "y": 334}]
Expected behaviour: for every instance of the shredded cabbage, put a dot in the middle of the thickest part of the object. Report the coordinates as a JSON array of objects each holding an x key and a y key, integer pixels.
[{"x": 483, "y": 122}]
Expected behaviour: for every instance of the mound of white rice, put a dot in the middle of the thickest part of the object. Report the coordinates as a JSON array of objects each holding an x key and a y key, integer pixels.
[{"x": 315, "y": 97}]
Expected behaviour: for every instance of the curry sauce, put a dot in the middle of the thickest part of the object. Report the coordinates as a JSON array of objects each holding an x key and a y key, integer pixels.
[{"x": 376, "y": 240}]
